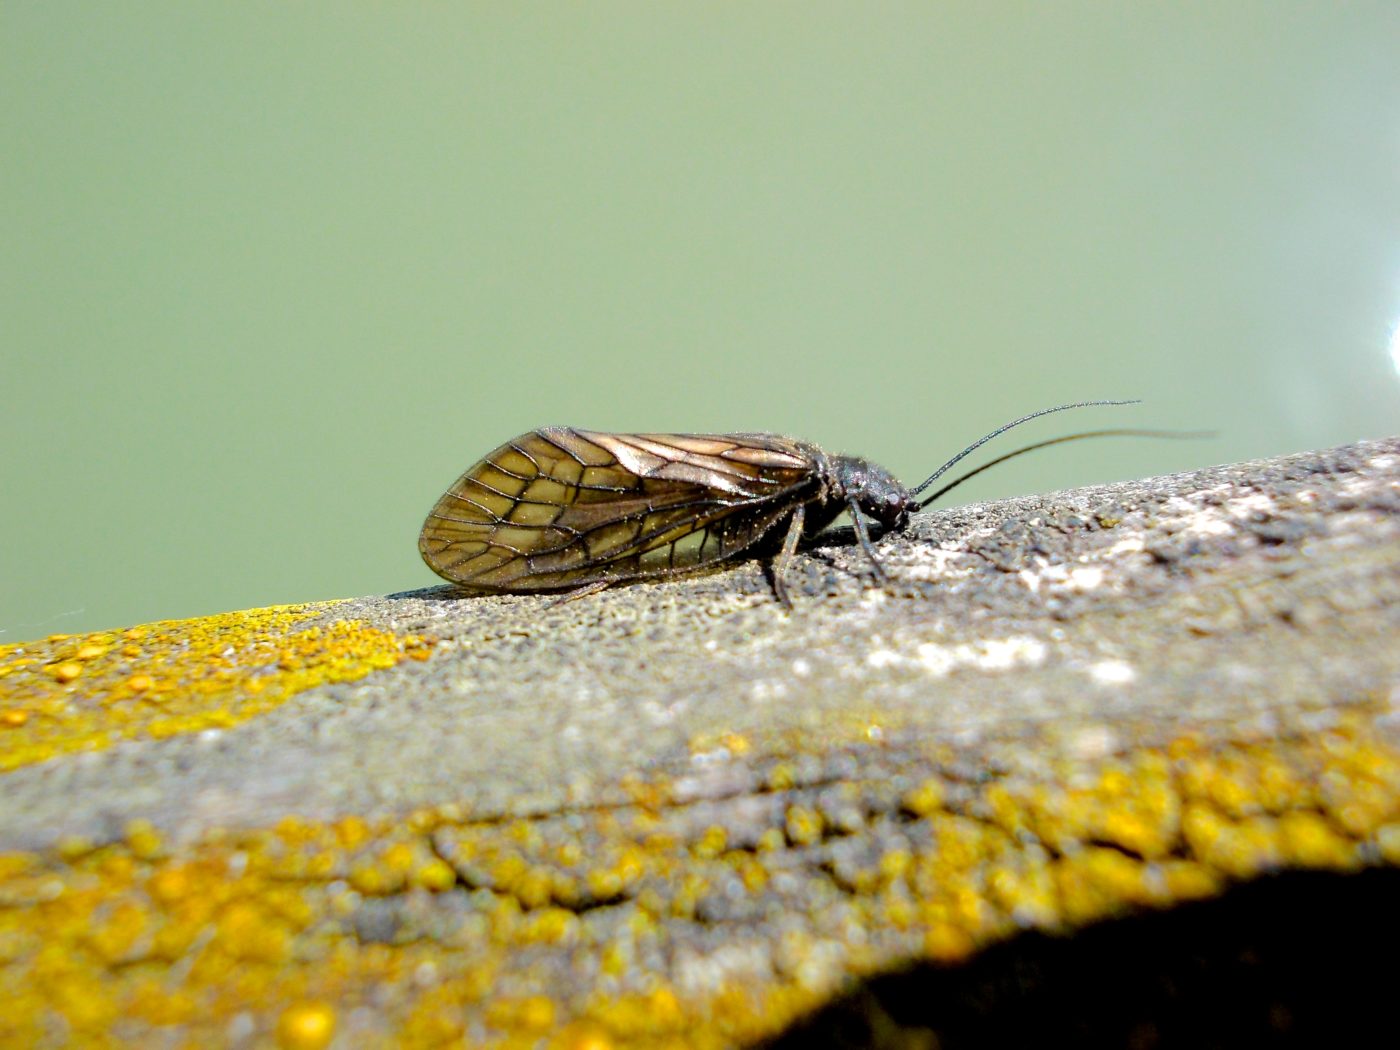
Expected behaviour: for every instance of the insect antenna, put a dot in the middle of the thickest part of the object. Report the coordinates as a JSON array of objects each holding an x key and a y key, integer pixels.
[
  {"x": 1002, "y": 430},
  {"x": 1184, "y": 435}
]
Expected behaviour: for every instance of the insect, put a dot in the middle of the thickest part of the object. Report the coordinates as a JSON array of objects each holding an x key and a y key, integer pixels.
[{"x": 561, "y": 508}]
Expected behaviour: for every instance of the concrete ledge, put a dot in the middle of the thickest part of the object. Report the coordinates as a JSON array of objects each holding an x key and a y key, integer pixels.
[{"x": 673, "y": 813}]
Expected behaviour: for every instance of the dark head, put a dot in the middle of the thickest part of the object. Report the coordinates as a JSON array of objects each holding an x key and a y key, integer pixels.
[{"x": 874, "y": 489}]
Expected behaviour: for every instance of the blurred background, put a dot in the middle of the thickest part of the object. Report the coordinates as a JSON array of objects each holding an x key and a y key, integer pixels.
[{"x": 272, "y": 276}]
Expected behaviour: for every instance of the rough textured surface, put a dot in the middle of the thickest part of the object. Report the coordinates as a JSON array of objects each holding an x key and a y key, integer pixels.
[{"x": 673, "y": 812}]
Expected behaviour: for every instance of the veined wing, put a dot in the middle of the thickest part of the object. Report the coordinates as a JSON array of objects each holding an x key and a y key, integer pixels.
[{"x": 560, "y": 507}]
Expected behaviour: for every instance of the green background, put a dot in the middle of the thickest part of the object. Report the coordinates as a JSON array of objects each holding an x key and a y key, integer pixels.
[{"x": 272, "y": 275}]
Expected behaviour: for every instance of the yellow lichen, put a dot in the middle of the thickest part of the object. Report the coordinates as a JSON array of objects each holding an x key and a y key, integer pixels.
[
  {"x": 306, "y": 1026},
  {"x": 66, "y": 672},
  {"x": 804, "y": 825},
  {"x": 80, "y": 693},
  {"x": 924, "y": 799}
]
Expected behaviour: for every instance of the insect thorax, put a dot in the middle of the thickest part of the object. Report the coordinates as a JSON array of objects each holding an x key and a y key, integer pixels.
[{"x": 874, "y": 489}]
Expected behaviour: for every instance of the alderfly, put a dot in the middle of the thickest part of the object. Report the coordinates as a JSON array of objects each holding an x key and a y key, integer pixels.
[{"x": 561, "y": 508}]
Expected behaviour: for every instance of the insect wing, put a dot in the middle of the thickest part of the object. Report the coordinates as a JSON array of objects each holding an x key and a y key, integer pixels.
[{"x": 560, "y": 507}]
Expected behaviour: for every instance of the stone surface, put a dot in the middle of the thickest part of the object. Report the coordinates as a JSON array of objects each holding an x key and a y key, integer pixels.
[{"x": 675, "y": 811}]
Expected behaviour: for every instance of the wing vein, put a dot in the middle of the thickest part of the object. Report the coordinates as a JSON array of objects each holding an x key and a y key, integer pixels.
[{"x": 676, "y": 502}]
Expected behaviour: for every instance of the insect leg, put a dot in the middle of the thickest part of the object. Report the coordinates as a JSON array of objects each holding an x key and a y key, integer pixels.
[
  {"x": 863, "y": 534},
  {"x": 784, "y": 556},
  {"x": 581, "y": 592}
]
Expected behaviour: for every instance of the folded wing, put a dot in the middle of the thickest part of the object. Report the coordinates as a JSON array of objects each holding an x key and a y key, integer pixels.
[{"x": 560, "y": 507}]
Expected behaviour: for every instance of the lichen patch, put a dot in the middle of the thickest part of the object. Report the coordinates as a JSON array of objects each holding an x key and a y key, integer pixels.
[{"x": 70, "y": 693}]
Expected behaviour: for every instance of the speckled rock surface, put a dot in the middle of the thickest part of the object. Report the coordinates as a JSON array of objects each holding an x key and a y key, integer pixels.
[{"x": 673, "y": 813}]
